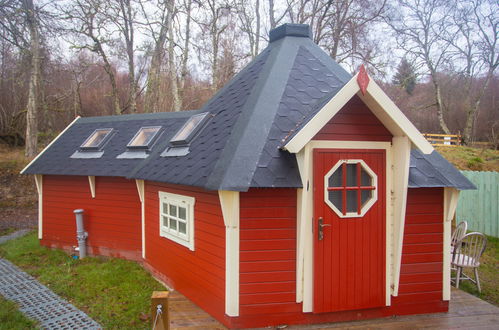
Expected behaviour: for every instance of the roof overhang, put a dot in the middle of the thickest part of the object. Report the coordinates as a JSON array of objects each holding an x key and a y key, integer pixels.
[{"x": 377, "y": 101}]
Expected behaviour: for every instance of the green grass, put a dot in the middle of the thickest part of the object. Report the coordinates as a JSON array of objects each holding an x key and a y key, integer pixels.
[
  {"x": 114, "y": 292},
  {"x": 488, "y": 273},
  {"x": 12, "y": 318}
]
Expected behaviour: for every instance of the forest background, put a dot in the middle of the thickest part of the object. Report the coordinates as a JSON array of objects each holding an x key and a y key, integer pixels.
[{"x": 59, "y": 59}]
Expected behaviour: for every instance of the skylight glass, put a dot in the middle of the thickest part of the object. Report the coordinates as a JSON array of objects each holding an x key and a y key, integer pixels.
[
  {"x": 96, "y": 139},
  {"x": 186, "y": 133},
  {"x": 144, "y": 137}
]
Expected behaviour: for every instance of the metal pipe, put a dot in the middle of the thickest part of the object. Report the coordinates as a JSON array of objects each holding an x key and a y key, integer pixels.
[{"x": 81, "y": 234}]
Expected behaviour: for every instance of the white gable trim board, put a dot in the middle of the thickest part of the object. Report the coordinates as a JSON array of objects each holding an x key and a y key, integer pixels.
[
  {"x": 377, "y": 101},
  {"x": 50, "y": 144}
]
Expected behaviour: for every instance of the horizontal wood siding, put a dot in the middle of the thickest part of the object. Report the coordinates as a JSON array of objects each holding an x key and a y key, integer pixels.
[
  {"x": 268, "y": 252},
  {"x": 422, "y": 256},
  {"x": 354, "y": 122},
  {"x": 112, "y": 219},
  {"x": 268, "y": 273},
  {"x": 198, "y": 274}
]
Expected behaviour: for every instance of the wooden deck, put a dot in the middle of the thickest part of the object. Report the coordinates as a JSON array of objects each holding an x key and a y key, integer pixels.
[{"x": 465, "y": 312}]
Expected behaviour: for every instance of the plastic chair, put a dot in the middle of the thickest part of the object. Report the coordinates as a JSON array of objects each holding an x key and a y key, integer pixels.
[
  {"x": 466, "y": 254},
  {"x": 458, "y": 233}
]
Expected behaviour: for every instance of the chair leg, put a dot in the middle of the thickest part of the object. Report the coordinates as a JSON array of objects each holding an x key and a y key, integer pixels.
[
  {"x": 477, "y": 279},
  {"x": 458, "y": 275}
]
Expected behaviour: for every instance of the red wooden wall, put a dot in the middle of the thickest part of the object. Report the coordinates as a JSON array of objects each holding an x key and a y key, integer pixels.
[
  {"x": 354, "y": 122},
  {"x": 112, "y": 219},
  {"x": 422, "y": 256},
  {"x": 198, "y": 274},
  {"x": 268, "y": 252},
  {"x": 268, "y": 231}
]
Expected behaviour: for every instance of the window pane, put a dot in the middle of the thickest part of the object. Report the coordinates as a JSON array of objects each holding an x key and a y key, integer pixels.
[
  {"x": 352, "y": 201},
  {"x": 165, "y": 208},
  {"x": 365, "y": 195},
  {"x": 188, "y": 127},
  {"x": 336, "y": 197},
  {"x": 96, "y": 138},
  {"x": 144, "y": 136},
  {"x": 182, "y": 213},
  {"x": 173, "y": 224},
  {"x": 173, "y": 210},
  {"x": 336, "y": 179},
  {"x": 182, "y": 227},
  {"x": 351, "y": 175},
  {"x": 165, "y": 221},
  {"x": 366, "y": 179}
]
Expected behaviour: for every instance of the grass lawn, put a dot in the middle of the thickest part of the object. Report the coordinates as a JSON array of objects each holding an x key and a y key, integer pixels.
[
  {"x": 114, "y": 292},
  {"x": 488, "y": 273},
  {"x": 12, "y": 318}
]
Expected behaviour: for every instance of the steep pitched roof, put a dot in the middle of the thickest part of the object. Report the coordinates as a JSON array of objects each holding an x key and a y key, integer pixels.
[{"x": 239, "y": 147}]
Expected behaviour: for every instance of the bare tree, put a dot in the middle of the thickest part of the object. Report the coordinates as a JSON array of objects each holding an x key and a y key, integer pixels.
[
  {"x": 249, "y": 19},
  {"x": 23, "y": 31},
  {"x": 472, "y": 34},
  {"x": 87, "y": 23},
  {"x": 419, "y": 26}
]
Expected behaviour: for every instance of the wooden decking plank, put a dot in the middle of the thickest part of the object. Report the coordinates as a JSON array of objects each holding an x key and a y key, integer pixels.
[{"x": 465, "y": 312}]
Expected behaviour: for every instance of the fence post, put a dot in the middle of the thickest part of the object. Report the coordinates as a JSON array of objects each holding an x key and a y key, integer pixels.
[{"x": 159, "y": 310}]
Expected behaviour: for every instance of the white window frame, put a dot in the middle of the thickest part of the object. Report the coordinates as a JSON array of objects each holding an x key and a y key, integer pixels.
[
  {"x": 186, "y": 202},
  {"x": 368, "y": 204}
]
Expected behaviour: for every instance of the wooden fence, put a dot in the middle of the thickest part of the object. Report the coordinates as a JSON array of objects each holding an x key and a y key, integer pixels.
[
  {"x": 480, "y": 208},
  {"x": 446, "y": 140}
]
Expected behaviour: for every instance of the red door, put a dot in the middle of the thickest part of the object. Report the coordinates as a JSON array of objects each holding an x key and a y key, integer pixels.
[{"x": 349, "y": 229}]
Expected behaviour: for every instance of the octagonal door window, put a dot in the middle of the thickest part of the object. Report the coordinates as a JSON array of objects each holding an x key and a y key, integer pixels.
[{"x": 350, "y": 188}]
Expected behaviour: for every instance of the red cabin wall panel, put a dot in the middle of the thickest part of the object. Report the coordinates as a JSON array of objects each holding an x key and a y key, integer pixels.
[
  {"x": 112, "y": 219},
  {"x": 198, "y": 274},
  {"x": 268, "y": 278},
  {"x": 354, "y": 122},
  {"x": 268, "y": 252}
]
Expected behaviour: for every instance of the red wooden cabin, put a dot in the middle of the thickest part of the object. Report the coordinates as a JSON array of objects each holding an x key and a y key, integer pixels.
[{"x": 297, "y": 194}]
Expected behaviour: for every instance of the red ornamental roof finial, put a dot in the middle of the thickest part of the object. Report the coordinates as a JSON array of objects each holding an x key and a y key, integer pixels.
[{"x": 363, "y": 79}]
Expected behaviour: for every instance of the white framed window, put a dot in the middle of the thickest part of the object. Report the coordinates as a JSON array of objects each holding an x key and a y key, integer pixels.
[
  {"x": 176, "y": 218},
  {"x": 350, "y": 188}
]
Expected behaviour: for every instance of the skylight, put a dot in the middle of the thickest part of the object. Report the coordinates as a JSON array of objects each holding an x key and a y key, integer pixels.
[
  {"x": 96, "y": 139},
  {"x": 144, "y": 137},
  {"x": 190, "y": 128}
]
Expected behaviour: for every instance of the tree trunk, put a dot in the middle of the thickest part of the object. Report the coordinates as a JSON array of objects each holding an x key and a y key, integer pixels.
[
  {"x": 272, "y": 15},
  {"x": 109, "y": 70},
  {"x": 440, "y": 105},
  {"x": 153, "y": 76},
  {"x": 34, "y": 81},
  {"x": 257, "y": 33},
  {"x": 128, "y": 32},
  {"x": 171, "y": 57},
  {"x": 185, "y": 54}
]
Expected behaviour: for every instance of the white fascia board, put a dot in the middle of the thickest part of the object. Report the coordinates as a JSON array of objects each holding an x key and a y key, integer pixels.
[
  {"x": 50, "y": 144},
  {"x": 91, "y": 182},
  {"x": 451, "y": 196},
  {"x": 392, "y": 117},
  {"x": 401, "y": 153},
  {"x": 140, "y": 190},
  {"x": 229, "y": 202},
  {"x": 322, "y": 117}
]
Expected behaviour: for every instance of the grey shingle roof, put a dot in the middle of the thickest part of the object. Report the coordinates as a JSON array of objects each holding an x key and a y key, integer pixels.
[{"x": 239, "y": 147}]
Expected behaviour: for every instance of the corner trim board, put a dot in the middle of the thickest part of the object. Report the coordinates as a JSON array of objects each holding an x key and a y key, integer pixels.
[
  {"x": 140, "y": 190},
  {"x": 39, "y": 188},
  {"x": 451, "y": 196},
  {"x": 229, "y": 202}
]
